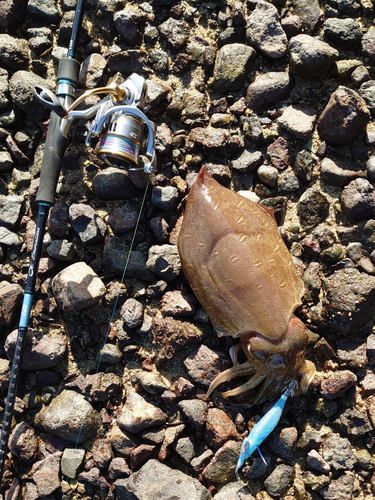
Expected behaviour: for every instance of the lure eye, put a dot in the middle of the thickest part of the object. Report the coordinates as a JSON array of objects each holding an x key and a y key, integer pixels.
[{"x": 244, "y": 447}]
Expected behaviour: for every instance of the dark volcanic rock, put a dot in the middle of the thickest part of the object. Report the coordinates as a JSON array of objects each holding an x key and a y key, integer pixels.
[
  {"x": 338, "y": 452},
  {"x": 209, "y": 137},
  {"x": 278, "y": 153},
  {"x": 86, "y": 223},
  {"x": 175, "y": 32},
  {"x": 10, "y": 209},
  {"x": 24, "y": 443},
  {"x": 309, "y": 57},
  {"x": 128, "y": 23},
  {"x": 195, "y": 411},
  {"x": 115, "y": 256},
  {"x": 368, "y": 43},
  {"x": 309, "y": 12},
  {"x": 278, "y": 481},
  {"x": 58, "y": 220},
  {"x": 344, "y": 118},
  {"x": 156, "y": 480},
  {"x": 282, "y": 442},
  {"x": 247, "y": 161},
  {"x": 337, "y": 173},
  {"x": 164, "y": 261},
  {"x": 367, "y": 92},
  {"x": 21, "y": 87},
  {"x": 44, "y": 10},
  {"x": 268, "y": 89},
  {"x": 14, "y": 52},
  {"x": 349, "y": 300},
  {"x": 12, "y": 12},
  {"x": 113, "y": 184},
  {"x": 69, "y": 416},
  {"x": 232, "y": 67},
  {"x": 313, "y": 208},
  {"x": 337, "y": 383},
  {"x": 124, "y": 219},
  {"x": 42, "y": 351},
  {"x": 358, "y": 200},
  {"x": 221, "y": 469},
  {"x": 203, "y": 365},
  {"x": 344, "y": 32},
  {"x": 264, "y": 31},
  {"x": 340, "y": 489},
  {"x": 354, "y": 423}
]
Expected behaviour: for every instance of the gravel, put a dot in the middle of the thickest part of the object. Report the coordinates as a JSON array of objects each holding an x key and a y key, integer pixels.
[{"x": 277, "y": 101}]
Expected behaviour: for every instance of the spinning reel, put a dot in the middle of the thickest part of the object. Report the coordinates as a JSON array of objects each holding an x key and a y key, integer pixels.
[{"x": 125, "y": 137}]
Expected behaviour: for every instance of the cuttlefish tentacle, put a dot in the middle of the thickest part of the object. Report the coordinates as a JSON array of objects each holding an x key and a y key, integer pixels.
[
  {"x": 259, "y": 376},
  {"x": 236, "y": 371}
]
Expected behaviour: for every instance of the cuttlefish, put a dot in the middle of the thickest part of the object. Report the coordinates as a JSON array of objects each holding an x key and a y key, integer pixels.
[{"x": 243, "y": 275}]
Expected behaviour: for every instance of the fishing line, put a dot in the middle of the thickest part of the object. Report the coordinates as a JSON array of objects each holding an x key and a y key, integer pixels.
[
  {"x": 123, "y": 273},
  {"x": 116, "y": 300}
]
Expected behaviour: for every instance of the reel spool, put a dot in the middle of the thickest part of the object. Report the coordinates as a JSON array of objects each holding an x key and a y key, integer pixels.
[
  {"x": 125, "y": 136},
  {"x": 121, "y": 145}
]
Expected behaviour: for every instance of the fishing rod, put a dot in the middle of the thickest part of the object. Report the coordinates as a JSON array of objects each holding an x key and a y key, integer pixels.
[
  {"x": 124, "y": 137},
  {"x": 56, "y": 143}
]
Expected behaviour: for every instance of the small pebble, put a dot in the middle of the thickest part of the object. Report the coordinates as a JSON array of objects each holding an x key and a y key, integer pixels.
[
  {"x": 316, "y": 462},
  {"x": 337, "y": 383},
  {"x": 137, "y": 414},
  {"x": 71, "y": 460},
  {"x": 279, "y": 480},
  {"x": 338, "y": 452}
]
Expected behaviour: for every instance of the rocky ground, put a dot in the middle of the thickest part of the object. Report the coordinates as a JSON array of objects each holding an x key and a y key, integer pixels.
[{"x": 275, "y": 99}]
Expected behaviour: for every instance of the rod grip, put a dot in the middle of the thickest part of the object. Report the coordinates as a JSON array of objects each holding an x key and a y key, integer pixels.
[{"x": 56, "y": 144}]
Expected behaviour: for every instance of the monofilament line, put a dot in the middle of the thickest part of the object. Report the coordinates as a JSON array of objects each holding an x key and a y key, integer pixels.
[{"x": 117, "y": 299}]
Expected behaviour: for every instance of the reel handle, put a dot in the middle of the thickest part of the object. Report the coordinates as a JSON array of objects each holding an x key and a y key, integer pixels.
[{"x": 49, "y": 100}]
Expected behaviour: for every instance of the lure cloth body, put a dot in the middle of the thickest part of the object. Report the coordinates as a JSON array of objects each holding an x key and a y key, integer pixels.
[{"x": 242, "y": 273}]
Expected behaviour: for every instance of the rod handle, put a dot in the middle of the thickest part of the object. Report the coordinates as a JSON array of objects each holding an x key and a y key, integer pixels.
[{"x": 56, "y": 144}]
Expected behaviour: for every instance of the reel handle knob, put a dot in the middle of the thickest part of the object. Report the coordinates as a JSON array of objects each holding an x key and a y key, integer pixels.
[{"x": 48, "y": 99}]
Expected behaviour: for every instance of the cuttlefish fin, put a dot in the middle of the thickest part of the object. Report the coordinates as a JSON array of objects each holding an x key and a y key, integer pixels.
[{"x": 269, "y": 210}]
